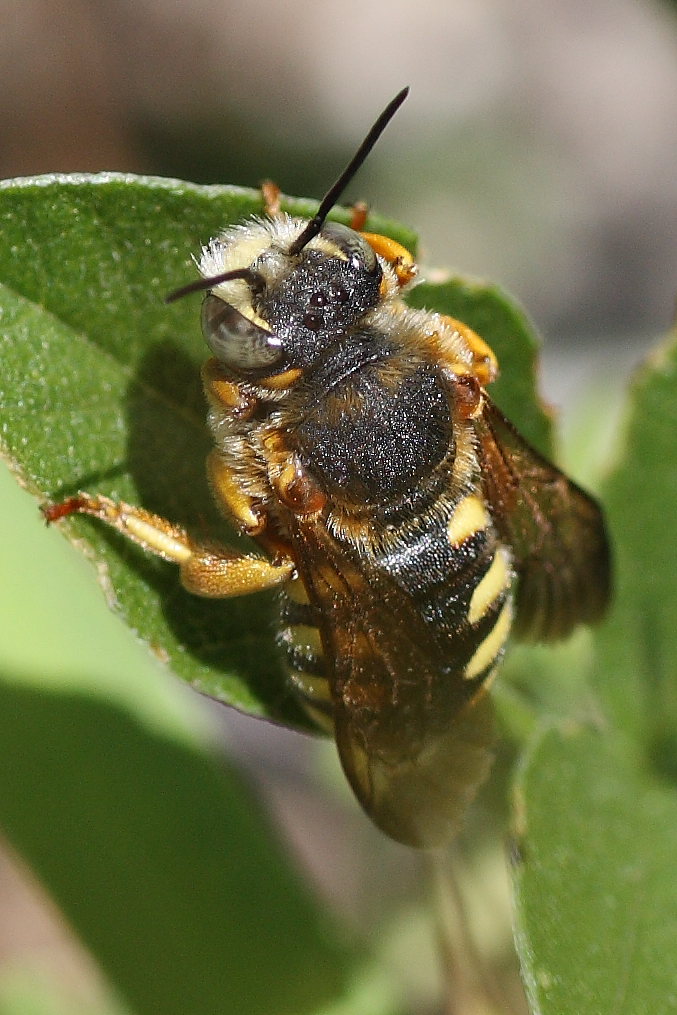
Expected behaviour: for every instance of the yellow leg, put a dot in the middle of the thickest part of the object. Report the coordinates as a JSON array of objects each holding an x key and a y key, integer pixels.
[
  {"x": 485, "y": 364},
  {"x": 213, "y": 571},
  {"x": 231, "y": 498},
  {"x": 397, "y": 256}
]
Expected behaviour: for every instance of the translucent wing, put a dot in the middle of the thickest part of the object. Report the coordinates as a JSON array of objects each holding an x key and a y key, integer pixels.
[
  {"x": 414, "y": 737},
  {"x": 555, "y": 531}
]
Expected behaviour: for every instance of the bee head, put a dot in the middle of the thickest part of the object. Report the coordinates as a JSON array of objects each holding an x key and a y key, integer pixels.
[{"x": 281, "y": 289}]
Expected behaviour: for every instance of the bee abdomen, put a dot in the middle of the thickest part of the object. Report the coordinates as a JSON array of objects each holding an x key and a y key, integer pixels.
[
  {"x": 486, "y": 606},
  {"x": 490, "y": 614},
  {"x": 460, "y": 577},
  {"x": 299, "y": 638}
]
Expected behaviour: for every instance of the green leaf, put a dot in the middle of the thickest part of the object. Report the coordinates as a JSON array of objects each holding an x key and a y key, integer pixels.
[
  {"x": 114, "y": 788},
  {"x": 187, "y": 900},
  {"x": 111, "y": 782},
  {"x": 30, "y": 990},
  {"x": 500, "y": 322},
  {"x": 596, "y": 800},
  {"x": 594, "y": 878},
  {"x": 637, "y": 680},
  {"x": 100, "y": 391}
]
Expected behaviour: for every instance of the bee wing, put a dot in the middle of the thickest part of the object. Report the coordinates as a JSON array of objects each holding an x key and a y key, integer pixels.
[
  {"x": 555, "y": 530},
  {"x": 414, "y": 738},
  {"x": 419, "y": 799}
]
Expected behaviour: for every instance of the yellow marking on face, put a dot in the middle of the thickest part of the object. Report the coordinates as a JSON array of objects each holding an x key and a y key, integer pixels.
[
  {"x": 469, "y": 518},
  {"x": 493, "y": 643},
  {"x": 490, "y": 587},
  {"x": 307, "y": 637}
]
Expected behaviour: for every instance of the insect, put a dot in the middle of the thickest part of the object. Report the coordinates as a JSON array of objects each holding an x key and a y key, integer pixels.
[{"x": 406, "y": 523}]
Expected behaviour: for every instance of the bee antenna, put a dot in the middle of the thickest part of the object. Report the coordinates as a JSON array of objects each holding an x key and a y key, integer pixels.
[
  {"x": 335, "y": 191},
  {"x": 256, "y": 283}
]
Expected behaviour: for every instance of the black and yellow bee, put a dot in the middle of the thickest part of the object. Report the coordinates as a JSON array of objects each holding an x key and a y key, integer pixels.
[{"x": 408, "y": 524}]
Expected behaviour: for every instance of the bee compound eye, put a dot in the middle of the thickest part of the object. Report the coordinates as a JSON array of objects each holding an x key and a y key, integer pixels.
[
  {"x": 236, "y": 341},
  {"x": 354, "y": 246}
]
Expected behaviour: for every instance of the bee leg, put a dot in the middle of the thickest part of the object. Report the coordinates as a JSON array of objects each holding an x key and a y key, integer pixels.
[
  {"x": 232, "y": 499},
  {"x": 272, "y": 198},
  {"x": 292, "y": 484},
  {"x": 485, "y": 364},
  {"x": 397, "y": 256},
  {"x": 360, "y": 211},
  {"x": 213, "y": 571}
]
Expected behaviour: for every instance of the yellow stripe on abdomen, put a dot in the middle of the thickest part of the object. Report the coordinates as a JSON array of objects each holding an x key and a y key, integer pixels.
[
  {"x": 491, "y": 586},
  {"x": 300, "y": 640},
  {"x": 304, "y": 637},
  {"x": 296, "y": 591},
  {"x": 488, "y": 649},
  {"x": 468, "y": 519},
  {"x": 310, "y": 686}
]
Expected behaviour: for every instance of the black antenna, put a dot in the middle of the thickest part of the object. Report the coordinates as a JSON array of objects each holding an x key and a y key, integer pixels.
[
  {"x": 255, "y": 280},
  {"x": 335, "y": 191}
]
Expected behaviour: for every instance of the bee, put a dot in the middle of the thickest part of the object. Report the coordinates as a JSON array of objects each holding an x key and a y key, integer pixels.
[{"x": 407, "y": 525}]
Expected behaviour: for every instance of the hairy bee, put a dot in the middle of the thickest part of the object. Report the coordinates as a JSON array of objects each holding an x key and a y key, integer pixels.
[{"x": 409, "y": 526}]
